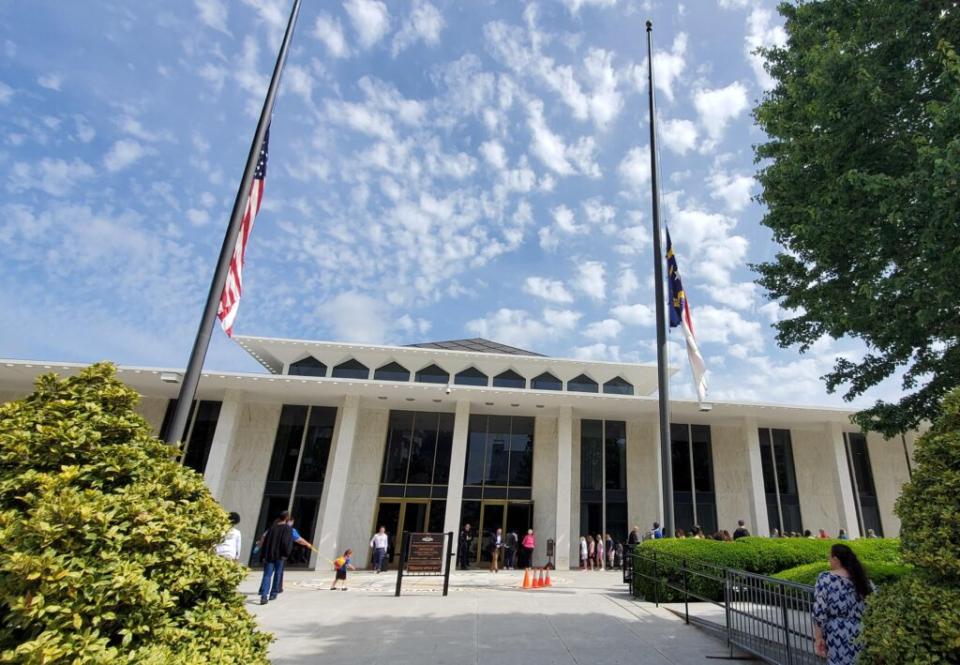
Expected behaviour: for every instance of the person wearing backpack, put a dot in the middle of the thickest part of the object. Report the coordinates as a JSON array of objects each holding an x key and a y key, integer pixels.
[
  {"x": 275, "y": 549},
  {"x": 341, "y": 565}
]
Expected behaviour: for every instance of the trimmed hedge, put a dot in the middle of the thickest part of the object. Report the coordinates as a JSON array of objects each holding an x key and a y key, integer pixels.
[
  {"x": 108, "y": 542},
  {"x": 765, "y": 556},
  {"x": 880, "y": 574}
]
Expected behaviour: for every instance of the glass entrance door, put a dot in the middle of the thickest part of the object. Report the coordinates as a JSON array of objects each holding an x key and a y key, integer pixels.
[
  {"x": 506, "y": 515},
  {"x": 492, "y": 517},
  {"x": 402, "y": 515}
]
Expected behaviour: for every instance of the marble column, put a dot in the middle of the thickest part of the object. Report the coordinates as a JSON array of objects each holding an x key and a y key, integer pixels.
[
  {"x": 328, "y": 541},
  {"x": 842, "y": 486},
  {"x": 458, "y": 463},
  {"x": 756, "y": 493},
  {"x": 564, "y": 478},
  {"x": 228, "y": 426}
]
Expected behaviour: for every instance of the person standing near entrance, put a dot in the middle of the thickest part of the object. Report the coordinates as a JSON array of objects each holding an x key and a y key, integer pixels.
[
  {"x": 496, "y": 546},
  {"x": 463, "y": 548},
  {"x": 510, "y": 549},
  {"x": 229, "y": 547},
  {"x": 599, "y": 552},
  {"x": 591, "y": 552},
  {"x": 583, "y": 553},
  {"x": 276, "y": 548},
  {"x": 529, "y": 542},
  {"x": 379, "y": 543},
  {"x": 633, "y": 538}
]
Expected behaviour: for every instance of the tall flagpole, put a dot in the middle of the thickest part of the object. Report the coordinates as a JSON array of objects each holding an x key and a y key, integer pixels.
[
  {"x": 663, "y": 393},
  {"x": 188, "y": 387}
]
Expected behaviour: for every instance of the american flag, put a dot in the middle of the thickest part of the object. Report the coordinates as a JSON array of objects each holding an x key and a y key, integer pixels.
[
  {"x": 230, "y": 298},
  {"x": 680, "y": 317}
]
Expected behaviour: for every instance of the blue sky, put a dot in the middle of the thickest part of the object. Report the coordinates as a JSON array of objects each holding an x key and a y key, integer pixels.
[{"x": 438, "y": 170}]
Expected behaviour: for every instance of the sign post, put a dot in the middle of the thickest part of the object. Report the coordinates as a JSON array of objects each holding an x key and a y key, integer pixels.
[{"x": 421, "y": 555}]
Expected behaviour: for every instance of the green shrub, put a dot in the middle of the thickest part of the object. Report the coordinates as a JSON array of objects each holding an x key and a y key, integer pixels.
[
  {"x": 107, "y": 541},
  {"x": 917, "y": 620},
  {"x": 765, "y": 556},
  {"x": 880, "y": 574}
]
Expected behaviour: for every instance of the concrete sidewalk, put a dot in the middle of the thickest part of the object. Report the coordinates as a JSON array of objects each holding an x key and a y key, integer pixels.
[{"x": 586, "y": 617}]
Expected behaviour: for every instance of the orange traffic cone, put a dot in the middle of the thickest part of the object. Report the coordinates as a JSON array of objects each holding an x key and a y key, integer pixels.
[
  {"x": 537, "y": 580},
  {"x": 546, "y": 581},
  {"x": 526, "y": 580}
]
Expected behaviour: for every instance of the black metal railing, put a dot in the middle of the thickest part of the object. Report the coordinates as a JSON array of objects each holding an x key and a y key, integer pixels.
[{"x": 766, "y": 617}]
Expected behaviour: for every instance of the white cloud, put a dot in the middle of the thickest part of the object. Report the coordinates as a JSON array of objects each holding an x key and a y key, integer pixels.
[
  {"x": 356, "y": 317},
  {"x": 562, "y": 320},
  {"x": 198, "y": 217},
  {"x": 50, "y": 81},
  {"x": 733, "y": 189},
  {"x": 328, "y": 30},
  {"x": 6, "y": 93},
  {"x": 518, "y": 328},
  {"x": 725, "y": 326},
  {"x": 85, "y": 133},
  {"x": 552, "y": 290},
  {"x": 762, "y": 32},
  {"x": 575, "y": 5},
  {"x": 590, "y": 280},
  {"x": 598, "y": 351},
  {"x": 733, "y": 4},
  {"x": 626, "y": 285},
  {"x": 634, "y": 315},
  {"x": 123, "y": 153},
  {"x": 370, "y": 19},
  {"x": 635, "y": 169},
  {"x": 680, "y": 136},
  {"x": 718, "y": 106},
  {"x": 550, "y": 149},
  {"x": 669, "y": 65},
  {"x": 563, "y": 216},
  {"x": 603, "y": 330},
  {"x": 493, "y": 152},
  {"x": 213, "y": 14},
  {"x": 56, "y": 177},
  {"x": 598, "y": 213},
  {"x": 606, "y": 102},
  {"x": 425, "y": 23}
]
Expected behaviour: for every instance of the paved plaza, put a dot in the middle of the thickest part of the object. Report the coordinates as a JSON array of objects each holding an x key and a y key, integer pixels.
[{"x": 586, "y": 617}]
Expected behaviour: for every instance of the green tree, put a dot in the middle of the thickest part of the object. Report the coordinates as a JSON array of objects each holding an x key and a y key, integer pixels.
[
  {"x": 861, "y": 180},
  {"x": 108, "y": 542},
  {"x": 917, "y": 619}
]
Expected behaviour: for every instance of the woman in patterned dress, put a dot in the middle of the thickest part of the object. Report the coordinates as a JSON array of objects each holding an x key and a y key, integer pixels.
[{"x": 840, "y": 599}]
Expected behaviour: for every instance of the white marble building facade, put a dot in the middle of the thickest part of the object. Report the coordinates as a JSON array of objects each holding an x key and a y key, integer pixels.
[{"x": 337, "y": 433}]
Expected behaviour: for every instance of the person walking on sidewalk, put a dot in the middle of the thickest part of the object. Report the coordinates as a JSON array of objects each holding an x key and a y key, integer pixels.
[
  {"x": 463, "y": 548},
  {"x": 496, "y": 547},
  {"x": 275, "y": 550},
  {"x": 379, "y": 543},
  {"x": 341, "y": 565},
  {"x": 511, "y": 542}
]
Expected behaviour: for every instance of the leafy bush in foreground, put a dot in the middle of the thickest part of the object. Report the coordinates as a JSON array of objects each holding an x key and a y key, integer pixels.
[
  {"x": 107, "y": 541},
  {"x": 917, "y": 620},
  {"x": 880, "y": 574}
]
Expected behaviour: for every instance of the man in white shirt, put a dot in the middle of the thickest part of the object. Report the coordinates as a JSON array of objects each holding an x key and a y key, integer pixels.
[
  {"x": 379, "y": 543},
  {"x": 229, "y": 547}
]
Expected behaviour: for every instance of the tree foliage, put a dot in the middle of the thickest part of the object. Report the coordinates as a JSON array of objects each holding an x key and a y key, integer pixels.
[
  {"x": 861, "y": 180},
  {"x": 107, "y": 541},
  {"x": 917, "y": 619}
]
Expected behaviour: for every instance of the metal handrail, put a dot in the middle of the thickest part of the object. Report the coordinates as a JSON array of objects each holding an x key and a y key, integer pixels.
[{"x": 764, "y": 616}]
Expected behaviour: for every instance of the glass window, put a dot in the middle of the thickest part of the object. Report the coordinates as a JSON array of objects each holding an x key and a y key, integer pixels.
[
  {"x": 498, "y": 450},
  {"x": 591, "y": 454},
  {"x": 471, "y": 377},
  {"x": 618, "y": 386},
  {"x": 546, "y": 381},
  {"x": 168, "y": 418},
  {"x": 680, "y": 458},
  {"x": 779, "y": 480},
  {"x": 423, "y": 447},
  {"x": 441, "y": 465},
  {"x": 392, "y": 372},
  {"x": 316, "y": 446},
  {"x": 509, "y": 379},
  {"x": 615, "y": 454},
  {"x": 861, "y": 464},
  {"x": 308, "y": 366},
  {"x": 521, "y": 452},
  {"x": 286, "y": 447},
  {"x": 694, "y": 500},
  {"x": 397, "y": 457},
  {"x": 432, "y": 374},
  {"x": 351, "y": 369},
  {"x": 201, "y": 435},
  {"x": 702, "y": 459},
  {"x": 783, "y": 456},
  {"x": 476, "y": 450},
  {"x": 582, "y": 384}
]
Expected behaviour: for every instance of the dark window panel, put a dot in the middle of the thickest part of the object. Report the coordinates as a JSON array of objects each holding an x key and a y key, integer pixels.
[
  {"x": 783, "y": 453},
  {"x": 316, "y": 449},
  {"x": 498, "y": 451},
  {"x": 680, "y": 458},
  {"x": 201, "y": 436},
  {"x": 168, "y": 418},
  {"x": 397, "y": 455},
  {"x": 618, "y": 386},
  {"x": 308, "y": 366},
  {"x": 471, "y": 377},
  {"x": 351, "y": 369},
  {"x": 476, "y": 450},
  {"x": 546, "y": 381},
  {"x": 286, "y": 447},
  {"x": 702, "y": 458},
  {"x": 521, "y": 452},
  {"x": 509, "y": 379},
  {"x": 861, "y": 464},
  {"x": 591, "y": 454},
  {"x": 441, "y": 468},
  {"x": 392, "y": 372},
  {"x": 432, "y": 374},
  {"x": 766, "y": 463},
  {"x": 615, "y": 455},
  {"x": 423, "y": 448},
  {"x": 582, "y": 384},
  {"x": 707, "y": 513}
]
